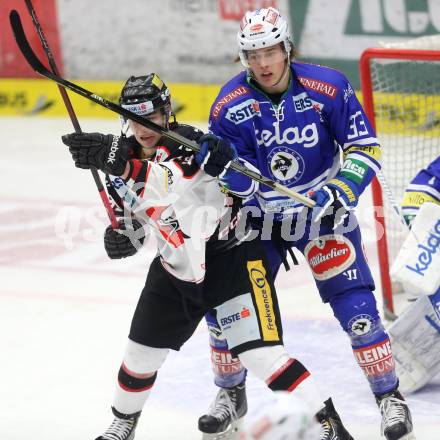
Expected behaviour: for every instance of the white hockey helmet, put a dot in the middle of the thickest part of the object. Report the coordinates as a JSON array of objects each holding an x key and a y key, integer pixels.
[
  {"x": 282, "y": 416},
  {"x": 262, "y": 28}
]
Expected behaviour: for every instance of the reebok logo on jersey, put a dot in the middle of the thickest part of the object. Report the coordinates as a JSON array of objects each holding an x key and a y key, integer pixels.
[
  {"x": 322, "y": 87},
  {"x": 243, "y": 111},
  {"x": 329, "y": 256},
  {"x": 303, "y": 102},
  {"x": 236, "y": 93},
  {"x": 114, "y": 147}
]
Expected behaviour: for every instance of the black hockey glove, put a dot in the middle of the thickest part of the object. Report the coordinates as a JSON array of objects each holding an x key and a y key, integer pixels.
[
  {"x": 124, "y": 241},
  {"x": 95, "y": 150},
  {"x": 215, "y": 155}
]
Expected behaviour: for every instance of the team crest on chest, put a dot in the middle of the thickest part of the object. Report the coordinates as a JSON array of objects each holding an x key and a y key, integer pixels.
[{"x": 286, "y": 166}]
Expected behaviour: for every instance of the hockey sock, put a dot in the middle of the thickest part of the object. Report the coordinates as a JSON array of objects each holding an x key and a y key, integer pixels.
[
  {"x": 136, "y": 376},
  {"x": 358, "y": 316},
  {"x": 228, "y": 370},
  {"x": 377, "y": 363},
  {"x": 132, "y": 390},
  {"x": 282, "y": 373},
  {"x": 288, "y": 376}
]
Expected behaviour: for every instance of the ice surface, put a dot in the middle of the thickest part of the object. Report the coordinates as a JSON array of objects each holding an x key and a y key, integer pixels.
[{"x": 65, "y": 310}]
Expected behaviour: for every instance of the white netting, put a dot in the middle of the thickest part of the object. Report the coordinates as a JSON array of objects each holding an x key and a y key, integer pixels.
[
  {"x": 406, "y": 97},
  {"x": 431, "y": 42}
]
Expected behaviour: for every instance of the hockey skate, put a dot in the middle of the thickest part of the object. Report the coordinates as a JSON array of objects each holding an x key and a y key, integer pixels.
[
  {"x": 122, "y": 427},
  {"x": 225, "y": 417},
  {"x": 396, "y": 417},
  {"x": 332, "y": 427}
]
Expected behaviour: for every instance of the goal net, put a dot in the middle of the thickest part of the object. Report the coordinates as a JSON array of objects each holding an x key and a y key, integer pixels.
[{"x": 401, "y": 96}]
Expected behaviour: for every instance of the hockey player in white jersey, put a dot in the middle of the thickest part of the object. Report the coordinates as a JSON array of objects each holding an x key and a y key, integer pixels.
[
  {"x": 416, "y": 333},
  {"x": 201, "y": 265},
  {"x": 296, "y": 123}
]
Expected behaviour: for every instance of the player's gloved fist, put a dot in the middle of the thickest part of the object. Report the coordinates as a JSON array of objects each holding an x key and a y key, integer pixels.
[
  {"x": 215, "y": 155},
  {"x": 124, "y": 241},
  {"x": 108, "y": 153},
  {"x": 334, "y": 200}
]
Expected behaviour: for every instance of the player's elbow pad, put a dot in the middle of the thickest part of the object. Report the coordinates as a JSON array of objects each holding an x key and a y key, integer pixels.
[{"x": 239, "y": 184}]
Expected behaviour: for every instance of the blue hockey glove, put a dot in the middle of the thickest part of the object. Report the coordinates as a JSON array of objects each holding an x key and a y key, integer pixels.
[
  {"x": 334, "y": 200},
  {"x": 215, "y": 155}
]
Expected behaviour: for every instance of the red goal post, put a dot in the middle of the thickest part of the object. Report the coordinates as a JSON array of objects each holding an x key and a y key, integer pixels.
[{"x": 401, "y": 110}]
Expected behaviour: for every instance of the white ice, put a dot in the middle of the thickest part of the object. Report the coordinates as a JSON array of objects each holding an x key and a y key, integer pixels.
[{"x": 65, "y": 311}]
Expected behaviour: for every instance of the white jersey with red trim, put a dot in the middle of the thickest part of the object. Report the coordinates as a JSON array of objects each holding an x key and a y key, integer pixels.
[{"x": 183, "y": 205}]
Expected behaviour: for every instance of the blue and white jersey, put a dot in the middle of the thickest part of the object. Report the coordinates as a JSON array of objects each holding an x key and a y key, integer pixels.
[
  {"x": 424, "y": 187},
  {"x": 318, "y": 130}
]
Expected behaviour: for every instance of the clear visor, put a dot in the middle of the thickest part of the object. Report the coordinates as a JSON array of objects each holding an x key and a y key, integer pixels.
[{"x": 263, "y": 57}]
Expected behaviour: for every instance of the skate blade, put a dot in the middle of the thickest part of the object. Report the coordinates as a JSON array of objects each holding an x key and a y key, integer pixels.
[{"x": 232, "y": 433}]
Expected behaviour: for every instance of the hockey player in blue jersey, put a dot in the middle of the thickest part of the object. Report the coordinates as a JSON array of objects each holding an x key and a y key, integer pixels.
[
  {"x": 424, "y": 187},
  {"x": 186, "y": 278},
  {"x": 415, "y": 335},
  {"x": 302, "y": 126}
]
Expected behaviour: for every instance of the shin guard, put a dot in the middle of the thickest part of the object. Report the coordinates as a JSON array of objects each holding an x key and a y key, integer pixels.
[
  {"x": 282, "y": 373},
  {"x": 136, "y": 377},
  {"x": 358, "y": 316},
  {"x": 228, "y": 371}
]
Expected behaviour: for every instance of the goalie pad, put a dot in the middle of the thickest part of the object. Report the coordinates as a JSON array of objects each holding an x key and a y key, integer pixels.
[
  {"x": 416, "y": 265},
  {"x": 415, "y": 338}
]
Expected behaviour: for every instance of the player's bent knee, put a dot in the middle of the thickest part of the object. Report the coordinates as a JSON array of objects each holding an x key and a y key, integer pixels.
[
  {"x": 142, "y": 359},
  {"x": 264, "y": 361},
  {"x": 275, "y": 366}
]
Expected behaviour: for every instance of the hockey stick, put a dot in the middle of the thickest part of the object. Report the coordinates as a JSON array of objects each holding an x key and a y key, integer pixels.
[
  {"x": 69, "y": 109},
  {"x": 391, "y": 199},
  {"x": 37, "y": 65}
]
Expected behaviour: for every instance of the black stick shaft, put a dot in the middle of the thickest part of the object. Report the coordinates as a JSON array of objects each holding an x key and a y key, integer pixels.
[
  {"x": 70, "y": 109},
  {"x": 37, "y": 65}
]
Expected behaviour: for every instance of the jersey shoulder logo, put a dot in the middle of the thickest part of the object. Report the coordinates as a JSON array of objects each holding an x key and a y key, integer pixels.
[
  {"x": 243, "y": 111},
  {"x": 322, "y": 87},
  {"x": 231, "y": 96},
  {"x": 303, "y": 102}
]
